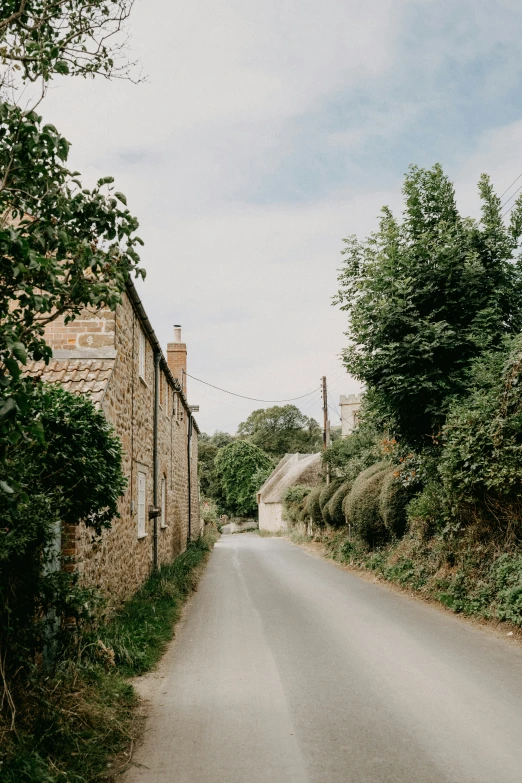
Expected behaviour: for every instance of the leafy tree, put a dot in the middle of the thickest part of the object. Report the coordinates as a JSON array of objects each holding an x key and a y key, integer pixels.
[
  {"x": 41, "y": 38},
  {"x": 62, "y": 247},
  {"x": 425, "y": 297},
  {"x": 481, "y": 459},
  {"x": 208, "y": 448},
  {"x": 281, "y": 430},
  {"x": 241, "y": 468},
  {"x": 74, "y": 474}
]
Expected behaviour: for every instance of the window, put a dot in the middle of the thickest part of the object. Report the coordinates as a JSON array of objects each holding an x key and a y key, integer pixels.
[
  {"x": 142, "y": 499},
  {"x": 141, "y": 355},
  {"x": 163, "y": 501}
]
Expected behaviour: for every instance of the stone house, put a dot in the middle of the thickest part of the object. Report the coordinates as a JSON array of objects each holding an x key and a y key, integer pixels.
[
  {"x": 349, "y": 405},
  {"x": 291, "y": 470},
  {"x": 115, "y": 359}
]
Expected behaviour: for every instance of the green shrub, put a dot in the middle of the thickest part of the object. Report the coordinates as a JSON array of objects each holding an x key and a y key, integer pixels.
[
  {"x": 327, "y": 492},
  {"x": 335, "y": 504},
  {"x": 294, "y": 503},
  {"x": 312, "y": 506},
  {"x": 425, "y": 511},
  {"x": 392, "y": 504},
  {"x": 507, "y": 577},
  {"x": 361, "y": 505}
]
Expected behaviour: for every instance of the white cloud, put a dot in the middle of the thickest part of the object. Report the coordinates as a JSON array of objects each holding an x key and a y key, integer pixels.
[{"x": 228, "y": 84}]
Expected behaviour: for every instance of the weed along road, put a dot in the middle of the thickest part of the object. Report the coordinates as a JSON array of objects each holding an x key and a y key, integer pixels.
[{"x": 288, "y": 669}]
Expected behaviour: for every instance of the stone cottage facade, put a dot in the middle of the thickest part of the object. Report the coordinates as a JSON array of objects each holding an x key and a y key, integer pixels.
[{"x": 115, "y": 359}]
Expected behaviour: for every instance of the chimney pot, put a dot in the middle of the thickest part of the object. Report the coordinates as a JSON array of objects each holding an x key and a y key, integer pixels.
[{"x": 177, "y": 333}]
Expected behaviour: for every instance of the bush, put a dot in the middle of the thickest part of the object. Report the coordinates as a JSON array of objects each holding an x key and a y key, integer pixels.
[
  {"x": 72, "y": 474},
  {"x": 481, "y": 459},
  {"x": 312, "y": 507},
  {"x": 392, "y": 504},
  {"x": 361, "y": 505},
  {"x": 325, "y": 496},
  {"x": 425, "y": 511},
  {"x": 294, "y": 503},
  {"x": 335, "y": 504}
]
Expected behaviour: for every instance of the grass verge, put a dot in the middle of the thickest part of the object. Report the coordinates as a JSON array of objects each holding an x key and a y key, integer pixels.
[
  {"x": 78, "y": 724},
  {"x": 465, "y": 575}
]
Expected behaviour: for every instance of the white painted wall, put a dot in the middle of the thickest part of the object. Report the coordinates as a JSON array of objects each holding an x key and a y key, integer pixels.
[{"x": 271, "y": 517}]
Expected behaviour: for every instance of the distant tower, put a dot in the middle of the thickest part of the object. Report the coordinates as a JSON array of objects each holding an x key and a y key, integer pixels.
[{"x": 349, "y": 404}]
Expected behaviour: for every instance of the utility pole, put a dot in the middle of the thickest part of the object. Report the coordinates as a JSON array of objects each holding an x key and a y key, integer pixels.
[{"x": 326, "y": 424}]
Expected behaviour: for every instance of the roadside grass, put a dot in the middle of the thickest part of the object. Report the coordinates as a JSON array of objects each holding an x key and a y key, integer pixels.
[
  {"x": 466, "y": 576},
  {"x": 79, "y": 723}
]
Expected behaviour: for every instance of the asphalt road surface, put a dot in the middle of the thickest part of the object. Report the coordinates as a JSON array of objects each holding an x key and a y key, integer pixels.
[{"x": 288, "y": 669}]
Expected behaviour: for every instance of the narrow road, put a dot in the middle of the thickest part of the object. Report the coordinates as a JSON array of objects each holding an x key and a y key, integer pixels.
[{"x": 288, "y": 669}]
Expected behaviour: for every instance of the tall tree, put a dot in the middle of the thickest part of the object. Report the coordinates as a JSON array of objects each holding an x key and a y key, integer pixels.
[
  {"x": 241, "y": 469},
  {"x": 427, "y": 295},
  {"x": 281, "y": 430}
]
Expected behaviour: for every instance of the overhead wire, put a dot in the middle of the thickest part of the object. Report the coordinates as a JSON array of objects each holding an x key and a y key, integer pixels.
[
  {"x": 509, "y": 188},
  {"x": 244, "y": 397}
]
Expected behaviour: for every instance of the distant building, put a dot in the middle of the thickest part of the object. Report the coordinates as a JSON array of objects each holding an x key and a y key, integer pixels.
[
  {"x": 349, "y": 405},
  {"x": 291, "y": 470}
]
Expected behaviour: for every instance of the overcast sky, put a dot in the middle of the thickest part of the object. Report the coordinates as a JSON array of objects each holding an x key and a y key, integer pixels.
[{"x": 268, "y": 130}]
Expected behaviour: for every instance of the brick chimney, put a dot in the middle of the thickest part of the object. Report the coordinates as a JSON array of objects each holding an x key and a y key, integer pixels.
[{"x": 177, "y": 358}]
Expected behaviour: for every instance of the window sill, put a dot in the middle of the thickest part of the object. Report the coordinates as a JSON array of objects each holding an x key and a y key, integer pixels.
[
  {"x": 144, "y": 382},
  {"x": 164, "y": 527},
  {"x": 142, "y": 535}
]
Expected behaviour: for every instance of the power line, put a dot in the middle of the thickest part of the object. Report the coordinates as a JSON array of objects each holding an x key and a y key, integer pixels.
[
  {"x": 243, "y": 396},
  {"x": 509, "y": 188},
  {"x": 511, "y": 197}
]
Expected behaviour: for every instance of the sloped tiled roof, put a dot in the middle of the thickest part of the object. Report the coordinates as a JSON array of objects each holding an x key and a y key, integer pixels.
[
  {"x": 80, "y": 376},
  {"x": 292, "y": 469}
]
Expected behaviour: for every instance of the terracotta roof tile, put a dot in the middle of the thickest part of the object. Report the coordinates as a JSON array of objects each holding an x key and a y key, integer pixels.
[{"x": 79, "y": 376}]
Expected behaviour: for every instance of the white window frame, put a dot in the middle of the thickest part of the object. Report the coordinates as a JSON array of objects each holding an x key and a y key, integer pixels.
[
  {"x": 142, "y": 354},
  {"x": 163, "y": 499},
  {"x": 142, "y": 504}
]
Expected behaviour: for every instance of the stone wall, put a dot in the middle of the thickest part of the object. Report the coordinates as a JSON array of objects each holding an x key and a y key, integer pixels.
[{"x": 121, "y": 560}]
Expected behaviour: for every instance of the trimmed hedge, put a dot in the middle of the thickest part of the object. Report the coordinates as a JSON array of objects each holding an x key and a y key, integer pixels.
[
  {"x": 327, "y": 493},
  {"x": 393, "y": 500},
  {"x": 361, "y": 505},
  {"x": 335, "y": 504},
  {"x": 312, "y": 507}
]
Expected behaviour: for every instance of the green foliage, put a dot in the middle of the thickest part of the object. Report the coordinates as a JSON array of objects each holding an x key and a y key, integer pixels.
[
  {"x": 313, "y": 507},
  {"x": 425, "y": 511},
  {"x": 48, "y": 37},
  {"x": 62, "y": 248},
  {"x": 239, "y": 467},
  {"x": 481, "y": 460},
  {"x": 139, "y": 633},
  {"x": 334, "y": 507},
  {"x": 393, "y": 500},
  {"x": 74, "y": 474},
  {"x": 281, "y": 430},
  {"x": 349, "y": 456},
  {"x": 294, "y": 503},
  {"x": 208, "y": 447},
  {"x": 327, "y": 492},
  {"x": 425, "y": 297},
  {"x": 361, "y": 505},
  {"x": 71, "y": 723}
]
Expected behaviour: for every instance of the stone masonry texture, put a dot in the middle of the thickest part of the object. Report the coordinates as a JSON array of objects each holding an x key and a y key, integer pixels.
[{"x": 98, "y": 354}]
